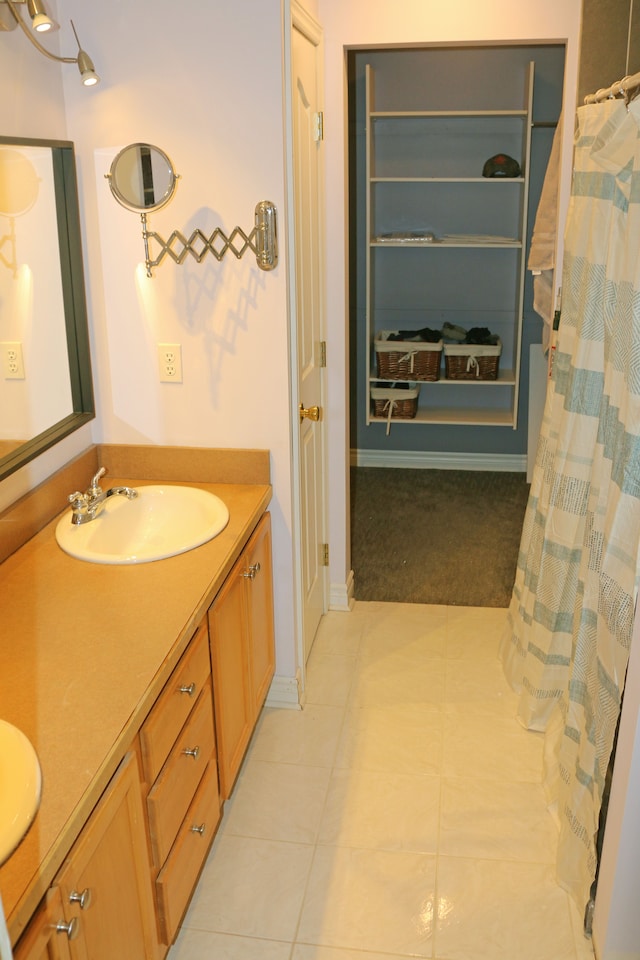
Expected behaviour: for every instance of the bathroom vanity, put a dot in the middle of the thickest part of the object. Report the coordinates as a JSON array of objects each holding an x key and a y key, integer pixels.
[{"x": 139, "y": 687}]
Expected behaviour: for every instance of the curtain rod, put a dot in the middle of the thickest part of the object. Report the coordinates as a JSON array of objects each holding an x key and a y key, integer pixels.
[{"x": 618, "y": 89}]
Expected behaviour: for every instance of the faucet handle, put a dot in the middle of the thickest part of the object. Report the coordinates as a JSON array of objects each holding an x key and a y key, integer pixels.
[
  {"x": 94, "y": 487},
  {"x": 77, "y": 499}
]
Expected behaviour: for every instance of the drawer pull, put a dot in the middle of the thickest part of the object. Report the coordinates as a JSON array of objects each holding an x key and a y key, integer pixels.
[
  {"x": 194, "y": 752},
  {"x": 188, "y": 688},
  {"x": 251, "y": 573},
  {"x": 200, "y": 829},
  {"x": 72, "y": 929},
  {"x": 83, "y": 899}
]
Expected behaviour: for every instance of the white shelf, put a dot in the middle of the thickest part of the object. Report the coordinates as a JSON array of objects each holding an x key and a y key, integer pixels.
[
  {"x": 444, "y": 114},
  {"x": 506, "y": 378},
  {"x": 435, "y": 244},
  {"x": 469, "y": 416},
  {"x": 487, "y": 180},
  {"x": 422, "y": 169}
]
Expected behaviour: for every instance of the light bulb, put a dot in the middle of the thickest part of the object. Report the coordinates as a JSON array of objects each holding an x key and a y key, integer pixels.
[
  {"x": 86, "y": 68},
  {"x": 40, "y": 20}
]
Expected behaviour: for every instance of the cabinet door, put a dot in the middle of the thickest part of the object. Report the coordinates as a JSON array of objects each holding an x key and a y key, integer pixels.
[
  {"x": 230, "y": 664},
  {"x": 260, "y": 612},
  {"x": 42, "y": 939},
  {"x": 108, "y": 866}
]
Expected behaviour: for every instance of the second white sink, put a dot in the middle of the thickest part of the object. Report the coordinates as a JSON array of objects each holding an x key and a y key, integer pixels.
[
  {"x": 20, "y": 785},
  {"x": 160, "y": 522}
]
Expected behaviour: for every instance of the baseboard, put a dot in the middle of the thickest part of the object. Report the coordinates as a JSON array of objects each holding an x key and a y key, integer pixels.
[
  {"x": 284, "y": 692},
  {"x": 341, "y": 595},
  {"x": 424, "y": 460}
]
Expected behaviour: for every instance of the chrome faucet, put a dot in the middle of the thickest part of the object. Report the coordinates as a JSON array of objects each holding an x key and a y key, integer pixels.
[{"x": 86, "y": 506}]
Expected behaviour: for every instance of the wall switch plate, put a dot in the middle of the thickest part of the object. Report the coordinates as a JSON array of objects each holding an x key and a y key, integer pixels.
[
  {"x": 12, "y": 360},
  {"x": 170, "y": 362}
]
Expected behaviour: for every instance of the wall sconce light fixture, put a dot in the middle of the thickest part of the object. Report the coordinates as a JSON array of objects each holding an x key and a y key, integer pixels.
[
  {"x": 41, "y": 22},
  {"x": 40, "y": 19}
]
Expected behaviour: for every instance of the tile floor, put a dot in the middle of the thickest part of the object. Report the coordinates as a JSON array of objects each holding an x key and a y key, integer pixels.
[{"x": 400, "y": 814}]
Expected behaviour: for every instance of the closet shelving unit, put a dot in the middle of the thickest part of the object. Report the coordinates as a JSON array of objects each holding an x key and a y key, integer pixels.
[{"x": 424, "y": 177}]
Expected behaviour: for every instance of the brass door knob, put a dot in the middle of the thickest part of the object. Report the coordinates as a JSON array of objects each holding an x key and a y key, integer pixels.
[{"x": 309, "y": 413}]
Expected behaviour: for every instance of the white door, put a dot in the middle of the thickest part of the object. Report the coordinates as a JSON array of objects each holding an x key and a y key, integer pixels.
[{"x": 307, "y": 146}]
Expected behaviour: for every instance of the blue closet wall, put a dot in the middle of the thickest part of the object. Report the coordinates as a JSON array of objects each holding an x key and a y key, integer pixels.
[{"x": 492, "y": 64}]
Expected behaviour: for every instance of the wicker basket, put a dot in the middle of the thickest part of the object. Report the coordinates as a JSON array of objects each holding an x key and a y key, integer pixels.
[
  {"x": 390, "y": 403},
  {"x": 407, "y": 359},
  {"x": 470, "y": 361}
]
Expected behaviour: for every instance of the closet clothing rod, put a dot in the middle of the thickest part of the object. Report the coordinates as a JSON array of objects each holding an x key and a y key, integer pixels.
[{"x": 617, "y": 89}]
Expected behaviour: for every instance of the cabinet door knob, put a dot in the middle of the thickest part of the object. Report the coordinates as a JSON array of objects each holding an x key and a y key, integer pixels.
[
  {"x": 198, "y": 829},
  {"x": 83, "y": 899},
  {"x": 193, "y": 752},
  {"x": 250, "y": 574},
  {"x": 72, "y": 929},
  {"x": 189, "y": 688}
]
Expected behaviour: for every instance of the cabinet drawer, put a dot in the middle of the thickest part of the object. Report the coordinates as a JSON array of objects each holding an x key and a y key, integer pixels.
[
  {"x": 173, "y": 791},
  {"x": 174, "y": 705},
  {"x": 177, "y": 879}
]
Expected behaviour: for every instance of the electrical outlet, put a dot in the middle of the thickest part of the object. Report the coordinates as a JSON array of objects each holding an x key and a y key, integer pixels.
[
  {"x": 12, "y": 360},
  {"x": 170, "y": 362}
]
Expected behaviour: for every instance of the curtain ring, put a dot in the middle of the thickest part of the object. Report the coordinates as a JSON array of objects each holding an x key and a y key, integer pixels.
[{"x": 623, "y": 91}]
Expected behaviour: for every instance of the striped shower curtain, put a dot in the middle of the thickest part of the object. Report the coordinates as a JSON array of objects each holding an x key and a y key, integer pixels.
[{"x": 566, "y": 645}]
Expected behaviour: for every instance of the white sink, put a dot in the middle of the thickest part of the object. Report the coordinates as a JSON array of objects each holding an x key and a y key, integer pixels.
[
  {"x": 20, "y": 785},
  {"x": 160, "y": 522}
]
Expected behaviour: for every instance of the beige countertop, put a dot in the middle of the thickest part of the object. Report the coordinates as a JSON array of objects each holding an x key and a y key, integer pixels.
[{"x": 84, "y": 651}]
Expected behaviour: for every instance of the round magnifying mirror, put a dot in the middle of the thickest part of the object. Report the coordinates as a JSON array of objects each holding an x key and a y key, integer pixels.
[{"x": 142, "y": 177}]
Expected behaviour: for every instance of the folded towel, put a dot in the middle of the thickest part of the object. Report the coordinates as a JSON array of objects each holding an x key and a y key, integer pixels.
[
  {"x": 452, "y": 332},
  {"x": 481, "y": 336},
  {"x": 426, "y": 335}
]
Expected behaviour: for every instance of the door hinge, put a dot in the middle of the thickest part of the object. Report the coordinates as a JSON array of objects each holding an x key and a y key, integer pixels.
[
  {"x": 318, "y": 126},
  {"x": 324, "y": 562},
  {"x": 323, "y": 353}
]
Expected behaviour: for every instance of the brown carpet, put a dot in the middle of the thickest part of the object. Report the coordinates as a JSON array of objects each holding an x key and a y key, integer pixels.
[{"x": 436, "y": 536}]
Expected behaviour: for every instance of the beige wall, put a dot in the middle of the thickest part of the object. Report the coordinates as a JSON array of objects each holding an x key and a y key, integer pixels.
[{"x": 204, "y": 82}]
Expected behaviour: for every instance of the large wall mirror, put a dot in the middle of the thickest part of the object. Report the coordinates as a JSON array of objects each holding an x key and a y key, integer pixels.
[{"x": 46, "y": 389}]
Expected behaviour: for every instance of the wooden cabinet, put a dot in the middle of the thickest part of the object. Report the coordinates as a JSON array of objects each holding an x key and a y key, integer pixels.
[
  {"x": 260, "y": 625},
  {"x": 182, "y": 801},
  {"x": 242, "y": 651},
  {"x": 104, "y": 883},
  {"x": 444, "y": 243},
  {"x": 125, "y": 886},
  {"x": 47, "y": 937},
  {"x": 230, "y": 665}
]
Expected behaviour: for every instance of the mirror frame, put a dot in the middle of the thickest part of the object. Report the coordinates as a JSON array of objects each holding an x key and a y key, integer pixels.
[
  {"x": 75, "y": 305},
  {"x": 123, "y": 200}
]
